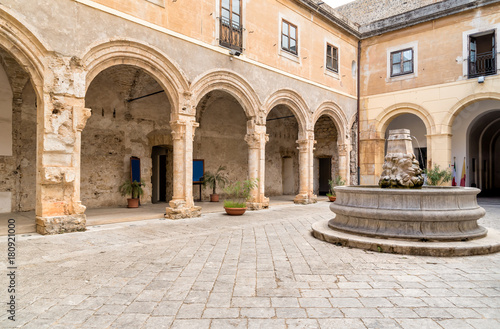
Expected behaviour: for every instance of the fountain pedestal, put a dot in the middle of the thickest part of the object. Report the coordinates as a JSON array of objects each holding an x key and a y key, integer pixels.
[{"x": 401, "y": 216}]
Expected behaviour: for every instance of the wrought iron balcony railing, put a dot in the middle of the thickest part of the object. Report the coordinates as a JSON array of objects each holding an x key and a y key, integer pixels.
[
  {"x": 482, "y": 64},
  {"x": 231, "y": 34}
]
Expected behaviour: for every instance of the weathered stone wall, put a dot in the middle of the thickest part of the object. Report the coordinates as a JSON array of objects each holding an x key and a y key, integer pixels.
[
  {"x": 325, "y": 134},
  {"x": 219, "y": 140},
  {"x": 18, "y": 171},
  {"x": 118, "y": 130},
  {"x": 283, "y": 134}
]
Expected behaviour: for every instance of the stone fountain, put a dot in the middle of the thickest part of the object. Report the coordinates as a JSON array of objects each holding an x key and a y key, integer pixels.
[{"x": 403, "y": 216}]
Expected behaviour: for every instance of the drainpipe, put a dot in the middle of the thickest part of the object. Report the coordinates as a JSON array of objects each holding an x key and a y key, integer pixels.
[{"x": 358, "y": 107}]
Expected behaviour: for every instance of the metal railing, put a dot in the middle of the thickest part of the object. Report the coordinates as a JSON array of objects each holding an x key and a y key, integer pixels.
[
  {"x": 482, "y": 64},
  {"x": 231, "y": 34}
]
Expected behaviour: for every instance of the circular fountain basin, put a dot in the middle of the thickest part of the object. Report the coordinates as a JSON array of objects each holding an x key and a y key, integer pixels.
[{"x": 425, "y": 214}]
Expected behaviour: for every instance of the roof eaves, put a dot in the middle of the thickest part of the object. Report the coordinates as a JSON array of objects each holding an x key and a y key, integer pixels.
[{"x": 333, "y": 16}]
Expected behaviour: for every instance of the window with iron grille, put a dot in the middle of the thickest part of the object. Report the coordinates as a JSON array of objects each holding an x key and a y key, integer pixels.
[
  {"x": 332, "y": 60},
  {"x": 230, "y": 24},
  {"x": 401, "y": 62},
  {"x": 289, "y": 37},
  {"x": 482, "y": 54}
]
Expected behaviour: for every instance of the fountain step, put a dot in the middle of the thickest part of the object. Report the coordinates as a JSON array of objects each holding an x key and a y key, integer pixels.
[{"x": 487, "y": 245}]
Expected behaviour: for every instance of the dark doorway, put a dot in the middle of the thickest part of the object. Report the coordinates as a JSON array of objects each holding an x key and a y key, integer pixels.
[
  {"x": 159, "y": 175},
  {"x": 325, "y": 174}
]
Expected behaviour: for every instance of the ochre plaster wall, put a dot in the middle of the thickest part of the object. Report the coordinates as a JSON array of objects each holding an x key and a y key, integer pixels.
[
  {"x": 436, "y": 93},
  {"x": 198, "y": 19}
]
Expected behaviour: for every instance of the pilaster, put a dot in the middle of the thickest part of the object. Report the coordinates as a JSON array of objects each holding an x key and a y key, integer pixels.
[{"x": 61, "y": 118}]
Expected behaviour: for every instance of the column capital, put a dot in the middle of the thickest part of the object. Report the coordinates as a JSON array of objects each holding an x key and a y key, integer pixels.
[{"x": 256, "y": 140}]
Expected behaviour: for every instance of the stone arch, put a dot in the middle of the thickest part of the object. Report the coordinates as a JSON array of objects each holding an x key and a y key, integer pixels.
[
  {"x": 110, "y": 53},
  {"x": 462, "y": 104},
  {"x": 230, "y": 82},
  {"x": 384, "y": 118},
  {"x": 24, "y": 46},
  {"x": 333, "y": 111},
  {"x": 295, "y": 103}
]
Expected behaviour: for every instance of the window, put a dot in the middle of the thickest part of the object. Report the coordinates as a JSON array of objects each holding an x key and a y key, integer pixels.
[
  {"x": 482, "y": 59},
  {"x": 289, "y": 37},
  {"x": 401, "y": 62},
  {"x": 230, "y": 24},
  {"x": 332, "y": 59}
]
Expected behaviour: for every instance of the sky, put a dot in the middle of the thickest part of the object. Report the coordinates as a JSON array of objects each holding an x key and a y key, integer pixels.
[{"x": 336, "y": 3}]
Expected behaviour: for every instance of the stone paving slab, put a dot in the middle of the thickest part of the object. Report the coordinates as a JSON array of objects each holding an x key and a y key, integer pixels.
[{"x": 261, "y": 270}]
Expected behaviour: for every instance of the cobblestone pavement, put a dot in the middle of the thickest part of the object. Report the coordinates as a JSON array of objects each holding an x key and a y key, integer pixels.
[{"x": 262, "y": 270}]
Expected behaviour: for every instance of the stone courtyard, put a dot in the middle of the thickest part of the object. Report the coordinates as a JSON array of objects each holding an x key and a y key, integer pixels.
[{"x": 262, "y": 270}]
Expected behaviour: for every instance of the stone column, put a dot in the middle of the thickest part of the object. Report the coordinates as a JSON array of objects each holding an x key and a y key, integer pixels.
[
  {"x": 182, "y": 204},
  {"x": 59, "y": 208},
  {"x": 256, "y": 140},
  {"x": 61, "y": 116},
  {"x": 306, "y": 160},
  {"x": 344, "y": 161}
]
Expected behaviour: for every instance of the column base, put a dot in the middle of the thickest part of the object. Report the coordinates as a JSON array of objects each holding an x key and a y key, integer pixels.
[
  {"x": 305, "y": 199},
  {"x": 258, "y": 205},
  {"x": 178, "y": 210},
  {"x": 61, "y": 224}
]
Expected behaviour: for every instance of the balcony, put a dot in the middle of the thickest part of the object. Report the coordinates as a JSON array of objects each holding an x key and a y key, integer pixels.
[
  {"x": 230, "y": 34},
  {"x": 482, "y": 64}
]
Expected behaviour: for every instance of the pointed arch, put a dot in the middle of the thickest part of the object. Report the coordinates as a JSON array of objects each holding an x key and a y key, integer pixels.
[
  {"x": 106, "y": 54},
  {"x": 295, "y": 103},
  {"x": 333, "y": 111},
  {"x": 462, "y": 104},
  {"x": 384, "y": 118},
  {"x": 24, "y": 46},
  {"x": 230, "y": 82}
]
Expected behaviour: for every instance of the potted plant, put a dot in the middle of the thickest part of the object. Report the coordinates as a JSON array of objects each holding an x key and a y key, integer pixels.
[
  {"x": 238, "y": 194},
  {"x": 212, "y": 179},
  {"x": 338, "y": 181},
  {"x": 134, "y": 189},
  {"x": 436, "y": 176}
]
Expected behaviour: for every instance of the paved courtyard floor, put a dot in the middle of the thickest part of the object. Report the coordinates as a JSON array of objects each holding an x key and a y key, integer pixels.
[{"x": 261, "y": 270}]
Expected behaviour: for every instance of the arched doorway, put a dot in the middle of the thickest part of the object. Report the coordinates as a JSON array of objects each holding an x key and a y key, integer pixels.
[
  {"x": 282, "y": 158},
  {"x": 130, "y": 118},
  {"x": 418, "y": 133},
  {"x": 18, "y": 129},
  {"x": 326, "y": 158},
  {"x": 475, "y": 142},
  {"x": 220, "y": 138},
  {"x": 484, "y": 153}
]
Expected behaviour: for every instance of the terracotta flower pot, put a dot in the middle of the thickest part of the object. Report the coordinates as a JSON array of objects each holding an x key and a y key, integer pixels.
[
  {"x": 133, "y": 203},
  {"x": 214, "y": 198},
  {"x": 332, "y": 198},
  {"x": 235, "y": 211}
]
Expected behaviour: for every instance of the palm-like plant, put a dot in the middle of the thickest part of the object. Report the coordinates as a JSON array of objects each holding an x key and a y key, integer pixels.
[
  {"x": 134, "y": 189},
  {"x": 338, "y": 181},
  {"x": 217, "y": 178}
]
